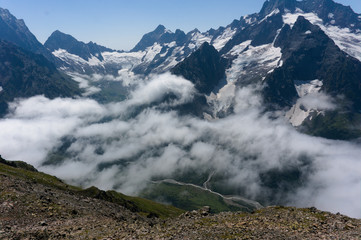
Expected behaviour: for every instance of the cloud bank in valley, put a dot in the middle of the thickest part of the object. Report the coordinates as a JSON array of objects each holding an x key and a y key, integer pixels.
[{"x": 123, "y": 145}]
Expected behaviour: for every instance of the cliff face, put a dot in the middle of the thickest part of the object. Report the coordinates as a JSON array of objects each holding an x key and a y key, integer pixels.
[{"x": 34, "y": 205}]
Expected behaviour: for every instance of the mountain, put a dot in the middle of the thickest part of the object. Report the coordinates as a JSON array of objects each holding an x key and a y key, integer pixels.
[
  {"x": 77, "y": 56},
  {"x": 160, "y": 50},
  {"x": 86, "y": 51},
  {"x": 333, "y": 13},
  {"x": 285, "y": 47},
  {"x": 205, "y": 68},
  {"x": 307, "y": 47},
  {"x": 24, "y": 74},
  {"x": 157, "y": 52},
  {"x": 160, "y": 35},
  {"x": 15, "y": 31},
  {"x": 330, "y": 12}
]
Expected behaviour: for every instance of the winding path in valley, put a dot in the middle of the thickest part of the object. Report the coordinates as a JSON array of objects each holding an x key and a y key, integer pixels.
[{"x": 231, "y": 200}]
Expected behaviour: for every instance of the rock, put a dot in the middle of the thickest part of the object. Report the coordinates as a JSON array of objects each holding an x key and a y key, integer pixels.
[
  {"x": 43, "y": 223},
  {"x": 206, "y": 210},
  {"x": 349, "y": 226}
]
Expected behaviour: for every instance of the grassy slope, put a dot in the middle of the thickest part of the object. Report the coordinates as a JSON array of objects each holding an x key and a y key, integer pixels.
[
  {"x": 334, "y": 125},
  {"x": 135, "y": 204},
  {"x": 188, "y": 197}
]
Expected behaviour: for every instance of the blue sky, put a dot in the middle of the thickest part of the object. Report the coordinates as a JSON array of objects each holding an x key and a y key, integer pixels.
[{"x": 120, "y": 24}]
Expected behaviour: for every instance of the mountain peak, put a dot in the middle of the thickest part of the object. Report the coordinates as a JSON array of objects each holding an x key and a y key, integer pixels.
[
  {"x": 271, "y": 5},
  {"x": 159, "y": 35},
  {"x": 60, "y": 40},
  {"x": 15, "y": 31},
  {"x": 11, "y": 20},
  {"x": 5, "y": 13},
  {"x": 58, "y": 34},
  {"x": 160, "y": 29},
  {"x": 195, "y": 31}
]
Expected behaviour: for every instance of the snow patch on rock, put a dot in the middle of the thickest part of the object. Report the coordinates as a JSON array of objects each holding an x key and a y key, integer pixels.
[
  {"x": 198, "y": 39},
  {"x": 256, "y": 61},
  {"x": 311, "y": 102},
  {"x": 68, "y": 57},
  {"x": 221, "y": 40},
  {"x": 274, "y": 12},
  {"x": 125, "y": 59},
  {"x": 222, "y": 101},
  {"x": 304, "y": 88}
]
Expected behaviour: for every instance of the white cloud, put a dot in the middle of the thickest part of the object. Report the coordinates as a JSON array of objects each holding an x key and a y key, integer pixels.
[
  {"x": 84, "y": 82},
  {"x": 319, "y": 101},
  {"x": 158, "y": 87},
  {"x": 111, "y": 149}
]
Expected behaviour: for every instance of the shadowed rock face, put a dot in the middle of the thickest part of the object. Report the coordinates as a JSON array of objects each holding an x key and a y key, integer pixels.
[
  {"x": 25, "y": 74},
  {"x": 205, "y": 68},
  {"x": 308, "y": 53}
]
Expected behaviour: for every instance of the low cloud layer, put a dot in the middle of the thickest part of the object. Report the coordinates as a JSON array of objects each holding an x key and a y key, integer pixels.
[
  {"x": 317, "y": 100},
  {"x": 124, "y": 145}
]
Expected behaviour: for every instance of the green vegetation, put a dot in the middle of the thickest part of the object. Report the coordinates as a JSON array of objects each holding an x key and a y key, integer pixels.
[
  {"x": 136, "y": 204},
  {"x": 334, "y": 125},
  {"x": 188, "y": 197},
  {"x": 142, "y": 206},
  {"x": 21, "y": 170},
  {"x": 110, "y": 92},
  {"x": 191, "y": 175}
]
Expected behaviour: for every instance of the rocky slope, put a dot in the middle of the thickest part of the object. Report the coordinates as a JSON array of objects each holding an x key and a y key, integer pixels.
[{"x": 34, "y": 205}]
